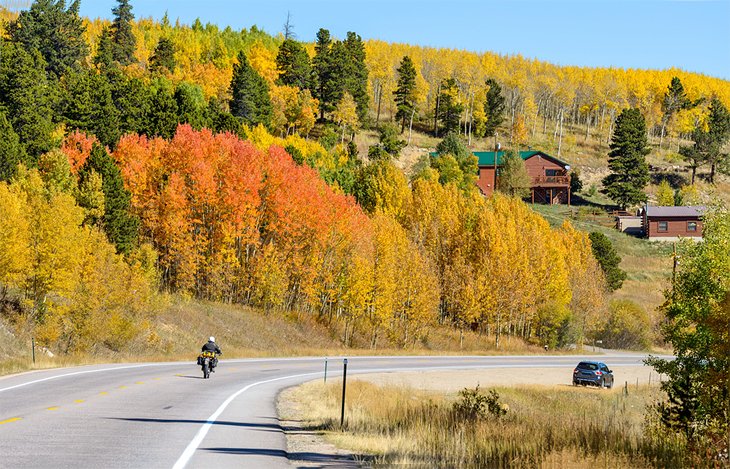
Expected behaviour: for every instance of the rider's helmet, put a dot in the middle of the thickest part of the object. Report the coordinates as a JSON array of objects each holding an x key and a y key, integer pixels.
[{"x": 211, "y": 338}]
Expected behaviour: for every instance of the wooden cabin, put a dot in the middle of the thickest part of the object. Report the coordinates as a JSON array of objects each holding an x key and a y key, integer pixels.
[
  {"x": 672, "y": 223},
  {"x": 550, "y": 176}
]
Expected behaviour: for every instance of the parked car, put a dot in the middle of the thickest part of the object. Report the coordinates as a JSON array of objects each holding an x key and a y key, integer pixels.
[{"x": 593, "y": 373}]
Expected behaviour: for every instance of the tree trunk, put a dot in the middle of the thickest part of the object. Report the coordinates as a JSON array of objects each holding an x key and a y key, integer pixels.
[
  {"x": 380, "y": 99},
  {"x": 436, "y": 114},
  {"x": 410, "y": 125}
]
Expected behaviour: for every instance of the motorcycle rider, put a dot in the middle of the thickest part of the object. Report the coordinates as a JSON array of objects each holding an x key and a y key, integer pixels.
[{"x": 211, "y": 346}]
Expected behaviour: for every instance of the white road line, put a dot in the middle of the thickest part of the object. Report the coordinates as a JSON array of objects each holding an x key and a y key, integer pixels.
[{"x": 193, "y": 445}]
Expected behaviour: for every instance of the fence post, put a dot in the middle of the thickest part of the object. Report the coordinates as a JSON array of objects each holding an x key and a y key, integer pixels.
[
  {"x": 32, "y": 341},
  {"x": 325, "y": 369},
  {"x": 626, "y": 388},
  {"x": 344, "y": 387}
]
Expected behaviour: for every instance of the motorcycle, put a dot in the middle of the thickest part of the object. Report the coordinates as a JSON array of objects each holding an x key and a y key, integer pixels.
[{"x": 207, "y": 361}]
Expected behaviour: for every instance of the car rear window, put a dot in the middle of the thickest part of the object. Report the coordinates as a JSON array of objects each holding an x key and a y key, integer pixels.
[{"x": 587, "y": 366}]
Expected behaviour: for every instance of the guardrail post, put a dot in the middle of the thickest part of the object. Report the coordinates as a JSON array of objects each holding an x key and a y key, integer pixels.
[
  {"x": 32, "y": 341},
  {"x": 344, "y": 387},
  {"x": 325, "y": 369}
]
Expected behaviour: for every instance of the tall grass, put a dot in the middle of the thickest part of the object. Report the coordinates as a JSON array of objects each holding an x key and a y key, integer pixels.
[{"x": 544, "y": 427}]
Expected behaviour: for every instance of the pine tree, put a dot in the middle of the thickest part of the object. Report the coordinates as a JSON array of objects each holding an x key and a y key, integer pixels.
[
  {"x": 191, "y": 105},
  {"x": 629, "y": 171},
  {"x": 293, "y": 64},
  {"x": 11, "y": 151},
  {"x": 494, "y": 107},
  {"x": 163, "y": 57},
  {"x": 250, "y": 94},
  {"x": 105, "y": 50},
  {"x": 55, "y": 31},
  {"x": 405, "y": 92},
  {"x": 87, "y": 104},
  {"x": 675, "y": 99},
  {"x": 325, "y": 86},
  {"x": 118, "y": 222},
  {"x": 122, "y": 35},
  {"x": 450, "y": 106},
  {"x": 132, "y": 98},
  {"x": 608, "y": 259},
  {"x": 162, "y": 117},
  {"x": 718, "y": 124},
  {"x": 354, "y": 72},
  {"x": 27, "y": 98}
]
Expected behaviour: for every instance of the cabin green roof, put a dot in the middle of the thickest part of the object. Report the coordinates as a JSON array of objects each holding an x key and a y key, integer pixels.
[{"x": 486, "y": 158}]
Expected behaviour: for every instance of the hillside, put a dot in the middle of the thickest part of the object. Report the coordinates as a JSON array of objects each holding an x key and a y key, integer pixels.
[{"x": 141, "y": 158}]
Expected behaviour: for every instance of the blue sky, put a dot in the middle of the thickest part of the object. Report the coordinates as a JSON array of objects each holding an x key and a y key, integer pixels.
[{"x": 691, "y": 34}]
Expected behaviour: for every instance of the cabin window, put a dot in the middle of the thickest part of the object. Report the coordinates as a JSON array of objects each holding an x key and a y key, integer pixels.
[
  {"x": 663, "y": 226},
  {"x": 551, "y": 172},
  {"x": 691, "y": 226}
]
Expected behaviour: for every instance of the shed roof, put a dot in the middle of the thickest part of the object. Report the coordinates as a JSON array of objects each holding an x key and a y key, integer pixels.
[{"x": 686, "y": 211}]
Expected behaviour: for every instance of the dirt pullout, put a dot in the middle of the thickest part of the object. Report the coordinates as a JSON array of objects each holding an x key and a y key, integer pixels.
[{"x": 453, "y": 381}]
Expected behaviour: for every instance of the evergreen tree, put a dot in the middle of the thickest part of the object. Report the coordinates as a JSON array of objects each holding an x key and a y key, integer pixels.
[
  {"x": 11, "y": 151},
  {"x": 87, "y": 104},
  {"x": 353, "y": 72},
  {"x": 293, "y": 64},
  {"x": 449, "y": 106},
  {"x": 119, "y": 224},
  {"x": 629, "y": 171},
  {"x": 191, "y": 105},
  {"x": 675, "y": 99},
  {"x": 122, "y": 35},
  {"x": 164, "y": 56},
  {"x": 53, "y": 30},
  {"x": 132, "y": 99},
  {"x": 709, "y": 142},
  {"x": 27, "y": 98},
  {"x": 608, "y": 259},
  {"x": 405, "y": 92},
  {"x": 250, "y": 94},
  {"x": 325, "y": 86},
  {"x": 718, "y": 123},
  {"x": 162, "y": 117},
  {"x": 494, "y": 107},
  {"x": 105, "y": 50},
  {"x": 513, "y": 178}
]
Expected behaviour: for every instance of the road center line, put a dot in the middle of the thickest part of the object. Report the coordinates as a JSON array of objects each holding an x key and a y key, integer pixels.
[
  {"x": 193, "y": 445},
  {"x": 14, "y": 419}
]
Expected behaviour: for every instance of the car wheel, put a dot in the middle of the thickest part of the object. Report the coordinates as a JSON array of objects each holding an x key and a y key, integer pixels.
[
  {"x": 600, "y": 383},
  {"x": 610, "y": 385}
]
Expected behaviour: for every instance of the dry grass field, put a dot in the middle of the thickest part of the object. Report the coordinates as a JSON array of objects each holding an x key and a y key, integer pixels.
[{"x": 546, "y": 426}]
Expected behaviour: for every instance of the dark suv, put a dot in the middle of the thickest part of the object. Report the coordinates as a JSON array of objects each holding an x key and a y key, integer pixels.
[{"x": 595, "y": 373}]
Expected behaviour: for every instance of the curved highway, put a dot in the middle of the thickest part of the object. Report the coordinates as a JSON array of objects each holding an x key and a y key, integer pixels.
[{"x": 162, "y": 415}]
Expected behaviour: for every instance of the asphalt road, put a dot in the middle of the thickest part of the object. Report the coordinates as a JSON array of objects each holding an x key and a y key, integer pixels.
[{"x": 161, "y": 415}]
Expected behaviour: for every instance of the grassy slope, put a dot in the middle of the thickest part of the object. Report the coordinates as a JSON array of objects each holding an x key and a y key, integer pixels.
[{"x": 178, "y": 331}]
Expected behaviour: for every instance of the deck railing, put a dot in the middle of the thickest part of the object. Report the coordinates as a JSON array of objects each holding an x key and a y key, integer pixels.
[{"x": 557, "y": 180}]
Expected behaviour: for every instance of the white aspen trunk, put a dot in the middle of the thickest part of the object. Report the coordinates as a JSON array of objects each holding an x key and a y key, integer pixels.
[
  {"x": 410, "y": 125},
  {"x": 560, "y": 140}
]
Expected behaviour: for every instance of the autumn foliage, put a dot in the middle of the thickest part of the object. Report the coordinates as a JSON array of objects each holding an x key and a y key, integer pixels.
[{"x": 237, "y": 223}]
